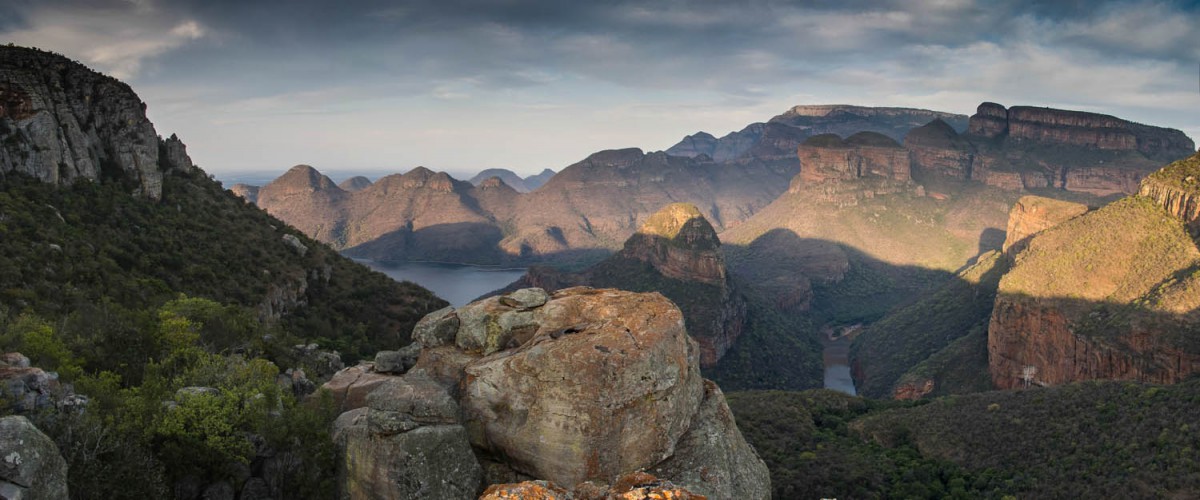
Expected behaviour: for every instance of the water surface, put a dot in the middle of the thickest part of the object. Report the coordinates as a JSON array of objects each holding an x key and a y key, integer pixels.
[{"x": 458, "y": 284}]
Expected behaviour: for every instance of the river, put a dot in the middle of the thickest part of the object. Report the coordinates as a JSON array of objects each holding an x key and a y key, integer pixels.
[
  {"x": 837, "y": 363},
  {"x": 458, "y": 284}
]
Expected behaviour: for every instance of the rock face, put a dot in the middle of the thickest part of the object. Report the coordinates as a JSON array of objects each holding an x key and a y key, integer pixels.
[
  {"x": 608, "y": 383},
  {"x": 1026, "y": 147},
  {"x": 680, "y": 243},
  {"x": 863, "y": 154},
  {"x": 1111, "y": 294},
  {"x": 60, "y": 122},
  {"x": 845, "y": 120},
  {"x": 1034, "y": 214},
  {"x": 587, "y": 385},
  {"x": 1176, "y": 188},
  {"x": 30, "y": 465},
  {"x": 508, "y": 176}
]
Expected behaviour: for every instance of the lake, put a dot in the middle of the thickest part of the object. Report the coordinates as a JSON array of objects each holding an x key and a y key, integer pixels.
[
  {"x": 458, "y": 284},
  {"x": 837, "y": 364}
]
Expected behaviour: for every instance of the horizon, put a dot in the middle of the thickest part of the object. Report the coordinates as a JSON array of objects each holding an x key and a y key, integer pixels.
[{"x": 534, "y": 85}]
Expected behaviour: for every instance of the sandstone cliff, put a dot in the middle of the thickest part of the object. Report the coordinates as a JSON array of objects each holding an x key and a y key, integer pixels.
[
  {"x": 1026, "y": 147},
  {"x": 60, "y": 122},
  {"x": 1110, "y": 294},
  {"x": 1176, "y": 188},
  {"x": 582, "y": 385},
  {"x": 1034, "y": 214},
  {"x": 865, "y": 154}
]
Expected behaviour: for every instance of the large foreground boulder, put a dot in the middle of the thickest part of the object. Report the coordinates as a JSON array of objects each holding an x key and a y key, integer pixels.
[
  {"x": 607, "y": 384},
  {"x": 582, "y": 388}
]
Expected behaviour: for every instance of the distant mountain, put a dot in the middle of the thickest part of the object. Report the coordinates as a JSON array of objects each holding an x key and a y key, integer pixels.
[
  {"x": 513, "y": 180},
  {"x": 535, "y": 181},
  {"x": 356, "y": 183},
  {"x": 785, "y": 131}
]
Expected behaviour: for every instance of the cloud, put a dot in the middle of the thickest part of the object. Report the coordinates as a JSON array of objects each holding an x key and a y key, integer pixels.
[{"x": 116, "y": 38}]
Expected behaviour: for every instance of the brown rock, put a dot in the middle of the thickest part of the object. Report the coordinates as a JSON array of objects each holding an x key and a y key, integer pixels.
[
  {"x": 1034, "y": 214},
  {"x": 350, "y": 386},
  {"x": 529, "y": 490},
  {"x": 680, "y": 243},
  {"x": 608, "y": 383},
  {"x": 863, "y": 154}
]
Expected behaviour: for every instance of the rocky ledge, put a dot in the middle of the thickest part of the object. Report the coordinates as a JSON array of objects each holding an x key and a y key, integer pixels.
[{"x": 581, "y": 386}]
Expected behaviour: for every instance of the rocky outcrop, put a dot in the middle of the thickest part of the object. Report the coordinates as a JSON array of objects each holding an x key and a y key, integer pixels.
[
  {"x": 507, "y": 176},
  {"x": 61, "y": 122},
  {"x": 585, "y": 385},
  {"x": 407, "y": 443},
  {"x": 865, "y": 154},
  {"x": 31, "y": 466},
  {"x": 1176, "y": 188},
  {"x": 1104, "y": 295},
  {"x": 936, "y": 148},
  {"x": 1034, "y": 214},
  {"x": 632, "y": 486},
  {"x": 680, "y": 244},
  {"x": 1027, "y": 148}
]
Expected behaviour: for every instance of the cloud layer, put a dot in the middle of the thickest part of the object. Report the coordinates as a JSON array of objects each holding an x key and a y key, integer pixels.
[{"x": 465, "y": 85}]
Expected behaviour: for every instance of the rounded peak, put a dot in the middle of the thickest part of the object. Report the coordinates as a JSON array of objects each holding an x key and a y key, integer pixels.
[
  {"x": 873, "y": 139},
  {"x": 356, "y": 183},
  {"x": 825, "y": 141},
  {"x": 670, "y": 220},
  {"x": 419, "y": 172},
  {"x": 992, "y": 109},
  {"x": 935, "y": 133},
  {"x": 304, "y": 176}
]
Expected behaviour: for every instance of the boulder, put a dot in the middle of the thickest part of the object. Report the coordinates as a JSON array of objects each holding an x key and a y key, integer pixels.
[
  {"x": 397, "y": 362},
  {"x": 405, "y": 403},
  {"x": 436, "y": 328},
  {"x": 528, "y": 490},
  {"x": 608, "y": 383},
  {"x": 31, "y": 466},
  {"x": 713, "y": 459},
  {"x": 493, "y": 324},
  {"x": 432, "y": 461},
  {"x": 350, "y": 387}
]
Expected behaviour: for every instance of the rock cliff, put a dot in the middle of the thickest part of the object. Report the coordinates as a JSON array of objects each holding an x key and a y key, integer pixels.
[
  {"x": 1111, "y": 294},
  {"x": 864, "y": 154},
  {"x": 1034, "y": 214},
  {"x": 1027, "y": 147},
  {"x": 60, "y": 122},
  {"x": 32, "y": 466},
  {"x": 1176, "y": 188},
  {"x": 584, "y": 385}
]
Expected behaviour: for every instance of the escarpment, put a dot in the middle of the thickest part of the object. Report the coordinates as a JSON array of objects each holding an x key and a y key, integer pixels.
[
  {"x": 579, "y": 386},
  {"x": 61, "y": 122},
  {"x": 1027, "y": 147},
  {"x": 1111, "y": 294}
]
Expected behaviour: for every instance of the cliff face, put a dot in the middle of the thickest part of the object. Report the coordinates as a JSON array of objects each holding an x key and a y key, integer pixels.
[
  {"x": 864, "y": 154},
  {"x": 1026, "y": 147},
  {"x": 60, "y": 122},
  {"x": 1108, "y": 294},
  {"x": 1176, "y": 188},
  {"x": 680, "y": 243},
  {"x": 1034, "y": 214}
]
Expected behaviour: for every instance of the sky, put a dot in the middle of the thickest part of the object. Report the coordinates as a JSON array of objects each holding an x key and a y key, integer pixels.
[{"x": 459, "y": 86}]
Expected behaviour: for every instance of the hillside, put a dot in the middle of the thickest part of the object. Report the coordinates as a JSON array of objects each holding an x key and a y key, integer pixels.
[
  {"x": 177, "y": 324},
  {"x": 1087, "y": 440}
]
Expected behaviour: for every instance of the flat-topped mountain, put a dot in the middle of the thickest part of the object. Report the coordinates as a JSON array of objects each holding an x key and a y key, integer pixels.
[{"x": 1027, "y": 147}]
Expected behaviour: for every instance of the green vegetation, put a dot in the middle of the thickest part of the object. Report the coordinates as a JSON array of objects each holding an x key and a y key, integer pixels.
[
  {"x": 912, "y": 334},
  {"x": 778, "y": 350},
  {"x": 1087, "y": 440},
  {"x": 1183, "y": 174},
  {"x": 131, "y": 300}
]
